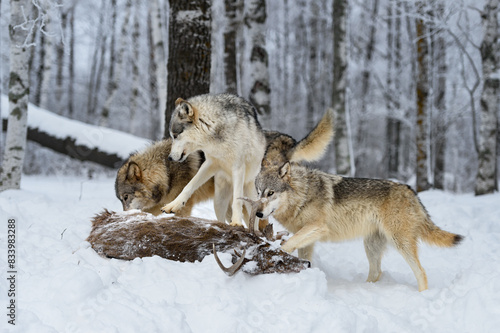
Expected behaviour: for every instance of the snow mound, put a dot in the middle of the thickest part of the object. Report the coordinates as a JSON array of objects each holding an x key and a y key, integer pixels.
[{"x": 65, "y": 286}]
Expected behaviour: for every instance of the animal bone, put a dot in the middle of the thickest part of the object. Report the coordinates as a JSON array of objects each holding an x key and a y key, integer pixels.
[{"x": 132, "y": 234}]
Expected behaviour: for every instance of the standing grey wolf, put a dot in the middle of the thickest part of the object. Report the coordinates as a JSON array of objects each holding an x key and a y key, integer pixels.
[
  {"x": 148, "y": 180},
  {"x": 226, "y": 129},
  {"x": 317, "y": 206}
]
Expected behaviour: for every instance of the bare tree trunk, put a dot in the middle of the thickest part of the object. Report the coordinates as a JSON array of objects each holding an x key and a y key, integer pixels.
[
  {"x": 260, "y": 91},
  {"x": 71, "y": 62},
  {"x": 439, "y": 59},
  {"x": 158, "y": 65},
  {"x": 119, "y": 63},
  {"x": 1, "y": 85},
  {"x": 60, "y": 60},
  {"x": 230, "y": 73},
  {"x": 189, "y": 58},
  {"x": 95, "y": 75},
  {"x": 15, "y": 142},
  {"x": 362, "y": 141},
  {"x": 134, "y": 96},
  {"x": 486, "y": 179},
  {"x": 39, "y": 72},
  {"x": 46, "y": 83},
  {"x": 342, "y": 151},
  {"x": 422, "y": 100}
]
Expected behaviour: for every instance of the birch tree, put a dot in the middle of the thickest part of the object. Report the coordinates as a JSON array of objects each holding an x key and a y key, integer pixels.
[
  {"x": 134, "y": 96},
  {"x": 260, "y": 91},
  {"x": 230, "y": 34},
  {"x": 439, "y": 63},
  {"x": 158, "y": 59},
  {"x": 119, "y": 67},
  {"x": 71, "y": 62},
  {"x": 486, "y": 179},
  {"x": 189, "y": 56},
  {"x": 342, "y": 151},
  {"x": 15, "y": 142},
  {"x": 362, "y": 139},
  {"x": 46, "y": 82},
  {"x": 422, "y": 91}
]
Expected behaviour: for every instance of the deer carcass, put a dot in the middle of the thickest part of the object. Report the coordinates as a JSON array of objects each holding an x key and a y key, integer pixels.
[{"x": 135, "y": 234}]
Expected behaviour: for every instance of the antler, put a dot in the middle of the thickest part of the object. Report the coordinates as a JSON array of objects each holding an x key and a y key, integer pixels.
[
  {"x": 255, "y": 204},
  {"x": 235, "y": 267}
]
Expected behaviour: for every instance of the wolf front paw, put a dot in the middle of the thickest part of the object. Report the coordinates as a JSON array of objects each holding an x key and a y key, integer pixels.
[
  {"x": 287, "y": 247},
  {"x": 173, "y": 207},
  {"x": 236, "y": 224}
]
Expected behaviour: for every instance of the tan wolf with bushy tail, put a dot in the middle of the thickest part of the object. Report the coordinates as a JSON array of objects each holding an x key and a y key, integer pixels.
[
  {"x": 317, "y": 206},
  {"x": 226, "y": 129}
]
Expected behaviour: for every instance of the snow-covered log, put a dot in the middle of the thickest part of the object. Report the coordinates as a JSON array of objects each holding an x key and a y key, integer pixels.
[
  {"x": 134, "y": 234},
  {"x": 82, "y": 141}
]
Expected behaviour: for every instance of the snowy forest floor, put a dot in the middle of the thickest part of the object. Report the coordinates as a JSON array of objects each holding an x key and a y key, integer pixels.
[{"x": 64, "y": 286}]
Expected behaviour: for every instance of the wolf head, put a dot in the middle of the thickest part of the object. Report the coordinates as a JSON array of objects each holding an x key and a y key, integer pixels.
[
  {"x": 134, "y": 188},
  {"x": 183, "y": 121},
  {"x": 273, "y": 186}
]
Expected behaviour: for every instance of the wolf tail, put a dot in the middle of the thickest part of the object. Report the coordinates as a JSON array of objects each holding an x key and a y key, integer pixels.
[
  {"x": 434, "y": 235},
  {"x": 313, "y": 146}
]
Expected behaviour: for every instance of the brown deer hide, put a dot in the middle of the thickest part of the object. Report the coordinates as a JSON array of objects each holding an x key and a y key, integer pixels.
[{"x": 135, "y": 234}]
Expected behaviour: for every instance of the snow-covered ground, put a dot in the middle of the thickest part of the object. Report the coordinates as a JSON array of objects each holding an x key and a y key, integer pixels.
[{"x": 62, "y": 285}]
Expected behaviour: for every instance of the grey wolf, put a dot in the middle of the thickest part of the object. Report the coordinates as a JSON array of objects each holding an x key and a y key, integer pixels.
[
  {"x": 317, "y": 206},
  {"x": 148, "y": 180},
  {"x": 129, "y": 235},
  {"x": 226, "y": 129}
]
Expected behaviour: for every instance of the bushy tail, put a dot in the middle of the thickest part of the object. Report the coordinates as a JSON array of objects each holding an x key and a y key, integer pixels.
[
  {"x": 434, "y": 235},
  {"x": 314, "y": 145}
]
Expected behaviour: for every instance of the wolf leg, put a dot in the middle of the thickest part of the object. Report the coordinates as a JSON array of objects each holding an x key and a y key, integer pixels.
[
  {"x": 409, "y": 251},
  {"x": 222, "y": 197},
  {"x": 306, "y": 236},
  {"x": 206, "y": 171},
  {"x": 238, "y": 186},
  {"x": 375, "y": 245},
  {"x": 306, "y": 252}
]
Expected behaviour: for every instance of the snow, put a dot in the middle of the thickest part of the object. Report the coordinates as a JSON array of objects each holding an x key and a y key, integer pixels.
[
  {"x": 107, "y": 140},
  {"x": 64, "y": 286}
]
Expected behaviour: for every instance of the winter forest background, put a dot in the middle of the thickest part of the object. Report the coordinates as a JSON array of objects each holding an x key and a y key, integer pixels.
[{"x": 414, "y": 84}]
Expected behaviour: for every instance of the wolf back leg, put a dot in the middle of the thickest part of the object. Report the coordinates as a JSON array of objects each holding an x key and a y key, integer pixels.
[
  {"x": 375, "y": 245},
  {"x": 409, "y": 250},
  {"x": 306, "y": 252}
]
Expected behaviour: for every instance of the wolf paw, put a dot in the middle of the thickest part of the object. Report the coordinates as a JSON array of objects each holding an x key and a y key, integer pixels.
[
  {"x": 236, "y": 224},
  {"x": 288, "y": 249},
  {"x": 173, "y": 207}
]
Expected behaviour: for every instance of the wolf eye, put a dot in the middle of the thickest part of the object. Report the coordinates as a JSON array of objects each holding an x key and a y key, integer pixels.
[
  {"x": 125, "y": 197},
  {"x": 270, "y": 193}
]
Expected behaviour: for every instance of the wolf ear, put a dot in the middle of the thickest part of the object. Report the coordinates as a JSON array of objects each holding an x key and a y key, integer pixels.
[
  {"x": 285, "y": 170},
  {"x": 134, "y": 172},
  {"x": 187, "y": 110},
  {"x": 265, "y": 163}
]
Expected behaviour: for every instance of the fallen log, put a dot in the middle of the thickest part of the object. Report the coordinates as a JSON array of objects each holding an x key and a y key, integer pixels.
[{"x": 135, "y": 234}]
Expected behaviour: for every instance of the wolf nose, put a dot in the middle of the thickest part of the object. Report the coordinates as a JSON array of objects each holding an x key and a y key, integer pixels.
[
  {"x": 170, "y": 158},
  {"x": 259, "y": 215}
]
